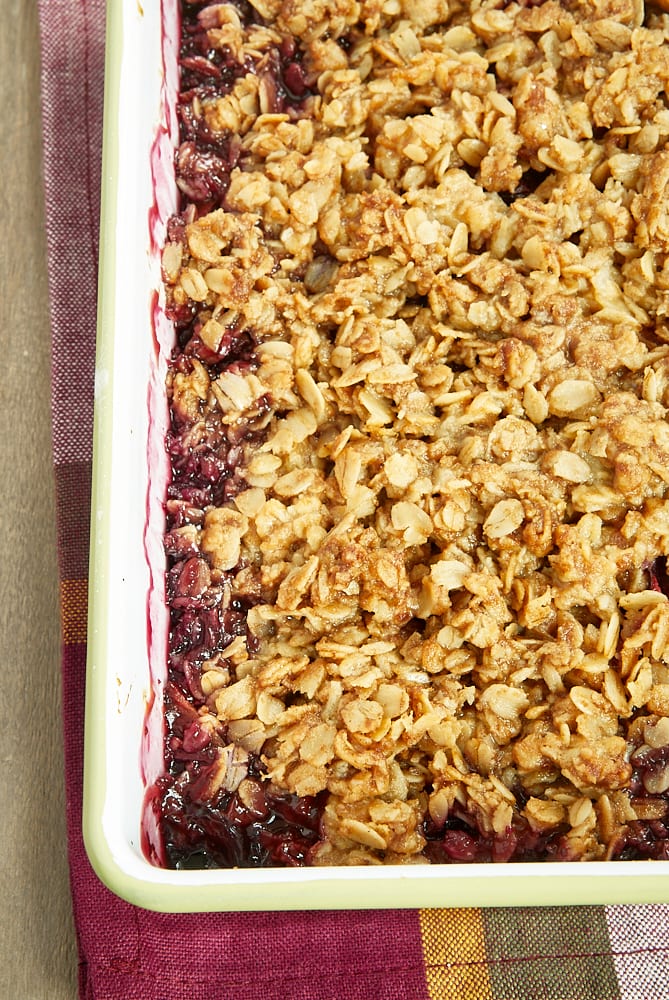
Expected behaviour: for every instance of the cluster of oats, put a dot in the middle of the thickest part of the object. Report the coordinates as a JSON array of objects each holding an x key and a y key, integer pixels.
[{"x": 454, "y": 261}]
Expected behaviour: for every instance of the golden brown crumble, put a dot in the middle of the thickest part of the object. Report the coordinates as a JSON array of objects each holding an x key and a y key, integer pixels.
[{"x": 455, "y": 263}]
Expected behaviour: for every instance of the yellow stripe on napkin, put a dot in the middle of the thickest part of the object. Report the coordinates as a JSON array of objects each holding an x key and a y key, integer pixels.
[
  {"x": 74, "y": 610},
  {"x": 454, "y": 954}
]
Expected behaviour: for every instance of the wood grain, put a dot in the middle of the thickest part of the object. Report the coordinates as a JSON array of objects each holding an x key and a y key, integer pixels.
[{"x": 37, "y": 944}]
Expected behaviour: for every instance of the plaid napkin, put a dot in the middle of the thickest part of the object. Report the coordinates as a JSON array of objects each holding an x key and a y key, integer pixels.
[{"x": 586, "y": 953}]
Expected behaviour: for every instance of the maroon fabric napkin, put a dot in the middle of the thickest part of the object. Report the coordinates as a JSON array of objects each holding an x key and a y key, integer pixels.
[{"x": 589, "y": 953}]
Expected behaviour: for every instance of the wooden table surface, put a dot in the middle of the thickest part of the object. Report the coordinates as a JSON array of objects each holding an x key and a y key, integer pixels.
[{"x": 37, "y": 949}]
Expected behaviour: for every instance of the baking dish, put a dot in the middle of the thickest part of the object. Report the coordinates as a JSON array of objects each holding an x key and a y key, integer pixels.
[{"x": 128, "y": 622}]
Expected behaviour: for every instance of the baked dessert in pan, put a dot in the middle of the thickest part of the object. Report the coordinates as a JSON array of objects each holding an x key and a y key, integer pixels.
[{"x": 418, "y": 520}]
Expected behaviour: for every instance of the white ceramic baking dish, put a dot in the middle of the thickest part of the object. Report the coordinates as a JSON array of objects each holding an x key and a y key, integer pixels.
[{"x": 128, "y": 622}]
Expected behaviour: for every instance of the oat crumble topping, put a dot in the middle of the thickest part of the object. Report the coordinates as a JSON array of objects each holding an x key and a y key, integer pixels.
[{"x": 421, "y": 285}]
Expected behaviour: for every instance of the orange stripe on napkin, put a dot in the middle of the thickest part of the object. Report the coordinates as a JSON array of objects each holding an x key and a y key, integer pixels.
[
  {"x": 454, "y": 954},
  {"x": 74, "y": 609}
]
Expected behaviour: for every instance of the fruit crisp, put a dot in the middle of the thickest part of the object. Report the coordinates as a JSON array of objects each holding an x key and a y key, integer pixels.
[{"x": 419, "y": 510}]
